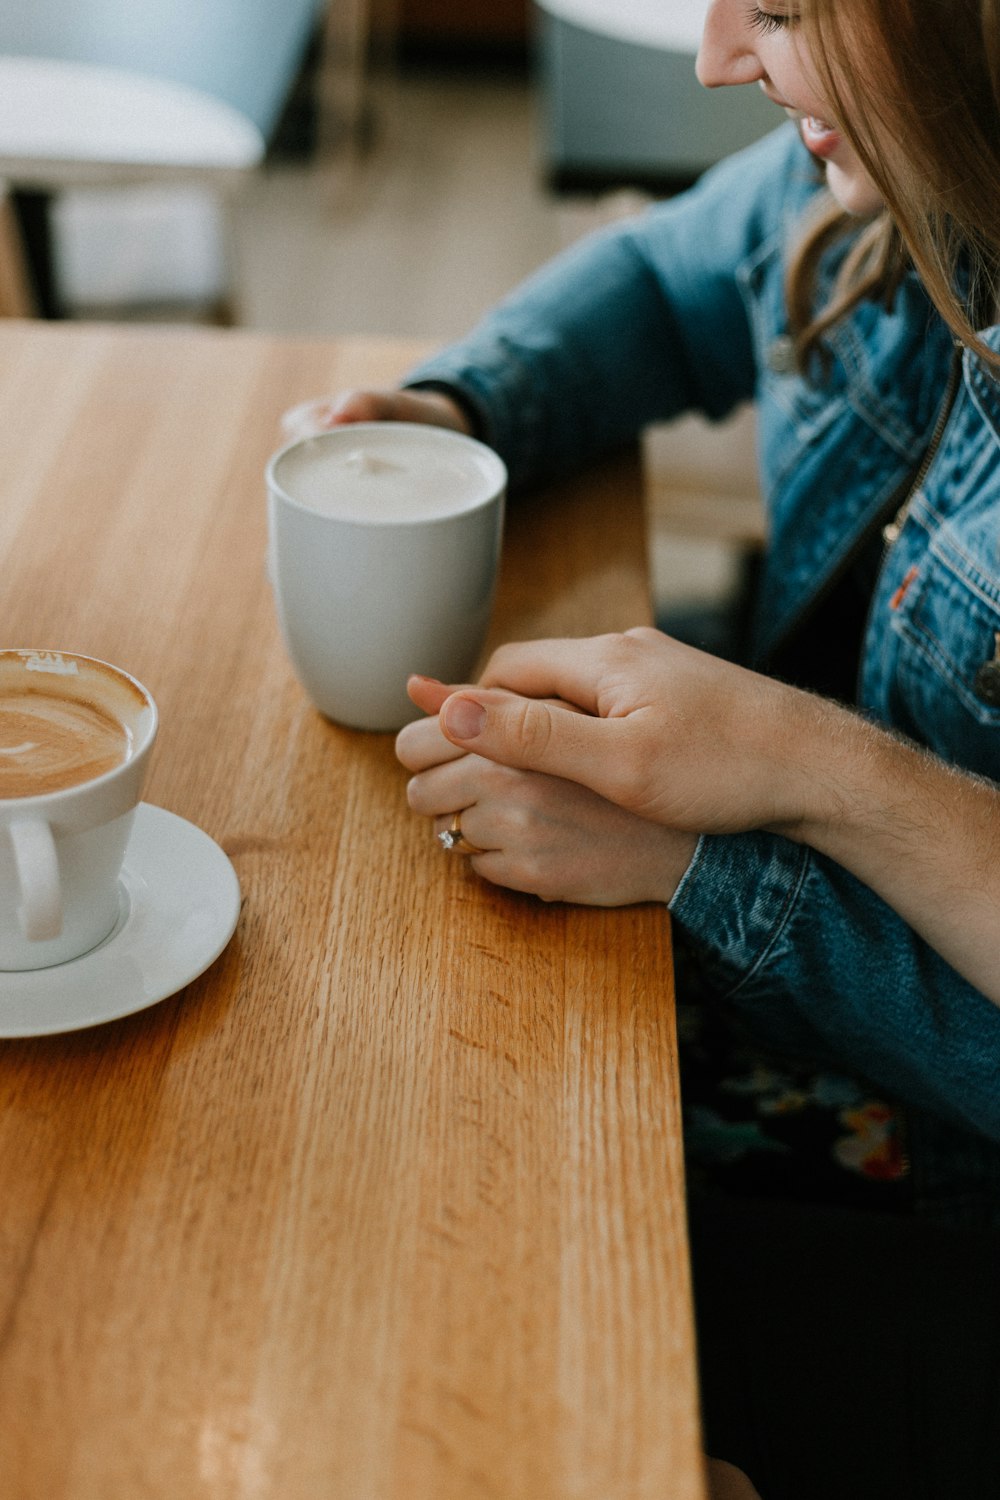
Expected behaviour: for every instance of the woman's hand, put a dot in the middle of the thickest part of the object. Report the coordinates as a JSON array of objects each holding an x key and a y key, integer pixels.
[
  {"x": 431, "y": 407},
  {"x": 539, "y": 833}
]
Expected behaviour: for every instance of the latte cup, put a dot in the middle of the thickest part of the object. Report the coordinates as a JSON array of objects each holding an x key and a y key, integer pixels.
[
  {"x": 75, "y": 740},
  {"x": 384, "y": 542}
]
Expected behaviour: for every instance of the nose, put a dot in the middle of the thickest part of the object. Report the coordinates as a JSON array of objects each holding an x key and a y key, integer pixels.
[{"x": 727, "y": 54}]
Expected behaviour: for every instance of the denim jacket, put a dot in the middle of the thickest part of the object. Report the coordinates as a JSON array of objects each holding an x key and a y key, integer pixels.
[{"x": 684, "y": 308}]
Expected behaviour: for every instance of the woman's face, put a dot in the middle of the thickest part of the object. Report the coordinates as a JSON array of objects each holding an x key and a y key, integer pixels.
[{"x": 742, "y": 43}]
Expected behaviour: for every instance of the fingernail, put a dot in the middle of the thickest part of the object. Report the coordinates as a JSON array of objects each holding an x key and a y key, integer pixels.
[{"x": 463, "y": 718}]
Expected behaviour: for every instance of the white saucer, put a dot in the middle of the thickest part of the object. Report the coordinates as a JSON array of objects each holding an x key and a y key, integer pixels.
[{"x": 180, "y": 904}]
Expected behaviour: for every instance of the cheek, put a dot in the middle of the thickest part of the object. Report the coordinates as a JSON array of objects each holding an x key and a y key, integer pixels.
[{"x": 798, "y": 75}]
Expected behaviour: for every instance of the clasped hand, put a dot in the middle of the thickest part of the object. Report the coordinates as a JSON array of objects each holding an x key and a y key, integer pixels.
[{"x": 587, "y": 769}]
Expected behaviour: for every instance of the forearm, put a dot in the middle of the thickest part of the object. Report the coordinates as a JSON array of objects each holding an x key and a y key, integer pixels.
[{"x": 924, "y": 836}]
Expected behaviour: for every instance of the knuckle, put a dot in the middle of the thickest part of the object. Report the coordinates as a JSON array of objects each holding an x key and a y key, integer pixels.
[
  {"x": 531, "y": 730},
  {"x": 620, "y": 650},
  {"x": 518, "y": 819},
  {"x": 494, "y": 670}
]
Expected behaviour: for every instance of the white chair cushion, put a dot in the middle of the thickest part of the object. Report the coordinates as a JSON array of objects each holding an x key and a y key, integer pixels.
[{"x": 64, "y": 122}]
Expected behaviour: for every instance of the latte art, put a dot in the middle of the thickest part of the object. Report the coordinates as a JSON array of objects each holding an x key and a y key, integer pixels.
[{"x": 49, "y": 741}]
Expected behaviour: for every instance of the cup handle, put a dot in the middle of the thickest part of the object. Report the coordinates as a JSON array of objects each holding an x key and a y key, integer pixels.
[{"x": 37, "y": 865}]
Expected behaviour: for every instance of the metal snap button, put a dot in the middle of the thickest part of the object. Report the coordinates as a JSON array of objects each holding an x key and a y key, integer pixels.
[
  {"x": 986, "y": 684},
  {"x": 780, "y": 357}
]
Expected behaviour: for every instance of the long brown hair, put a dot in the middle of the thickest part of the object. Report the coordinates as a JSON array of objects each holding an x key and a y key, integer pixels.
[{"x": 916, "y": 86}]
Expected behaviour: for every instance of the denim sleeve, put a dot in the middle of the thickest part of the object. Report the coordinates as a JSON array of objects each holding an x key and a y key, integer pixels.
[
  {"x": 634, "y": 324},
  {"x": 805, "y": 952}
]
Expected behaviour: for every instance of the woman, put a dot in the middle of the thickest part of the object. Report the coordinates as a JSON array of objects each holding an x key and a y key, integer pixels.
[{"x": 823, "y": 824}]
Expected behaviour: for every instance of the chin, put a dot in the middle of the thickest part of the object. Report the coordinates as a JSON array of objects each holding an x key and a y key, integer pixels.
[{"x": 853, "y": 190}]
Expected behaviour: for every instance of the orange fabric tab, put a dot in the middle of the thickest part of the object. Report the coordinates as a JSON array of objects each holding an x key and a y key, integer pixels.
[{"x": 900, "y": 593}]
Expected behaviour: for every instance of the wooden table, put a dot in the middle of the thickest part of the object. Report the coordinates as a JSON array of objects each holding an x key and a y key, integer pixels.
[{"x": 388, "y": 1204}]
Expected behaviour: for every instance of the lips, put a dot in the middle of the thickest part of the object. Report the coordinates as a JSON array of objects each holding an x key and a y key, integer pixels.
[{"x": 818, "y": 136}]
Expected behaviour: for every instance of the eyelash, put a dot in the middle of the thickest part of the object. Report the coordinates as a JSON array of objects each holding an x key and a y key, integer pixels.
[{"x": 766, "y": 21}]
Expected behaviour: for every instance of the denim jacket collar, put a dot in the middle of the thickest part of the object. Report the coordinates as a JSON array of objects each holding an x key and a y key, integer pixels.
[{"x": 984, "y": 387}]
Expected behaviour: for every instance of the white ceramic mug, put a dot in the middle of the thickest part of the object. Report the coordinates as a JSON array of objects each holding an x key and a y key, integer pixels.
[
  {"x": 384, "y": 545},
  {"x": 75, "y": 740}
]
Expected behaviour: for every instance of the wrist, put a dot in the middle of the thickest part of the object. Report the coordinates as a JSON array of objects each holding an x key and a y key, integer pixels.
[
  {"x": 819, "y": 772},
  {"x": 459, "y": 410},
  {"x": 847, "y": 781},
  {"x": 676, "y": 855}
]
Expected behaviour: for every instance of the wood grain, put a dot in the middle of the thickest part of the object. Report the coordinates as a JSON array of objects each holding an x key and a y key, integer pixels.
[{"x": 389, "y": 1203}]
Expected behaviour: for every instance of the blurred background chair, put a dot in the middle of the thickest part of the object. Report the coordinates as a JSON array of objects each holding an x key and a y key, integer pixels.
[
  {"x": 177, "y": 97},
  {"x": 79, "y": 125},
  {"x": 620, "y": 97},
  {"x": 16, "y": 299}
]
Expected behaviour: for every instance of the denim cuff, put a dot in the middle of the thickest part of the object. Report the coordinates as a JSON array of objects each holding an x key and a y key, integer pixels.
[
  {"x": 735, "y": 900},
  {"x": 496, "y": 388}
]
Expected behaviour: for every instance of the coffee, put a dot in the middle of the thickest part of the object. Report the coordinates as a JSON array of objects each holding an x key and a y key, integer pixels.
[
  {"x": 49, "y": 741},
  {"x": 65, "y": 720},
  {"x": 75, "y": 740},
  {"x": 391, "y": 476}
]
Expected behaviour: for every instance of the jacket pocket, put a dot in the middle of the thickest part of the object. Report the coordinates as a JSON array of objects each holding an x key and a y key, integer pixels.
[{"x": 947, "y": 636}]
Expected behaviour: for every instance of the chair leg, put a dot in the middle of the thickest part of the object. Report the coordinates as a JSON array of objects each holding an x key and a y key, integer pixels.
[
  {"x": 227, "y": 310},
  {"x": 341, "y": 76},
  {"x": 17, "y": 299},
  {"x": 357, "y": 35}
]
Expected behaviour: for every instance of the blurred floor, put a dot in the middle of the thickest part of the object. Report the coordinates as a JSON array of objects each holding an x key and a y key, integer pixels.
[{"x": 418, "y": 234}]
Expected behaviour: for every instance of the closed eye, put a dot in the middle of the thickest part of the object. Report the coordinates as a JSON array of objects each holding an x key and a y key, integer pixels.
[{"x": 767, "y": 20}]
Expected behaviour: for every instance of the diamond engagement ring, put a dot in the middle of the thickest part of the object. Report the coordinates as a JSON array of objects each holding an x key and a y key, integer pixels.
[{"x": 454, "y": 841}]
